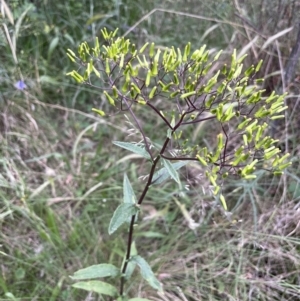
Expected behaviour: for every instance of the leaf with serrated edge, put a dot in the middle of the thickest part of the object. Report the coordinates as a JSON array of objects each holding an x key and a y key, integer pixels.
[
  {"x": 96, "y": 271},
  {"x": 133, "y": 148},
  {"x": 171, "y": 170},
  {"x": 162, "y": 174},
  {"x": 146, "y": 272},
  {"x": 128, "y": 193},
  {"x": 121, "y": 215},
  {"x": 97, "y": 287}
]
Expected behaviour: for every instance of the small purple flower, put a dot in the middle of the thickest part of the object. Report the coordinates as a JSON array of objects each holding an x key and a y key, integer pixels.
[{"x": 20, "y": 85}]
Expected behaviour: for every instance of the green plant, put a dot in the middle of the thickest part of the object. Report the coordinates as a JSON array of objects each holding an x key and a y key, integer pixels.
[{"x": 183, "y": 89}]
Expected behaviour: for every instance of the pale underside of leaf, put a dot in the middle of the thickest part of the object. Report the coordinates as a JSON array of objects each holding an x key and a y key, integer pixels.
[
  {"x": 128, "y": 193},
  {"x": 96, "y": 271},
  {"x": 97, "y": 287},
  {"x": 121, "y": 215},
  {"x": 163, "y": 174},
  {"x": 146, "y": 272},
  {"x": 133, "y": 148},
  {"x": 171, "y": 170}
]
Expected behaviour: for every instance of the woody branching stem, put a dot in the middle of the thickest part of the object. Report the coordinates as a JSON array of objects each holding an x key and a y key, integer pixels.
[{"x": 182, "y": 90}]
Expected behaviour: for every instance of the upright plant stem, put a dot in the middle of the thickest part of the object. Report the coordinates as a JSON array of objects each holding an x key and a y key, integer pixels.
[{"x": 131, "y": 227}]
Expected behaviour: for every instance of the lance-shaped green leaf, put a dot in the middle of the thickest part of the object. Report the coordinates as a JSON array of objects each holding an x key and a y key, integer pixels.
[
  {"x": 171, "y": 170},
  {"x": 146, "y": 272},
  {"x": 121, "y": 216},
  {"x": 99, "y": 287},
  {"x": 163, "y": 174},
  {"x": 133, "y": 148},
  {"x": 96, "y": 271},
  {"x": 128, "y": 193}
]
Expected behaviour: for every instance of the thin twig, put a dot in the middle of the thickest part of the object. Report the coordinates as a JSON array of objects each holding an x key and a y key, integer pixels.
[{"x": 147, "y": 146}]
